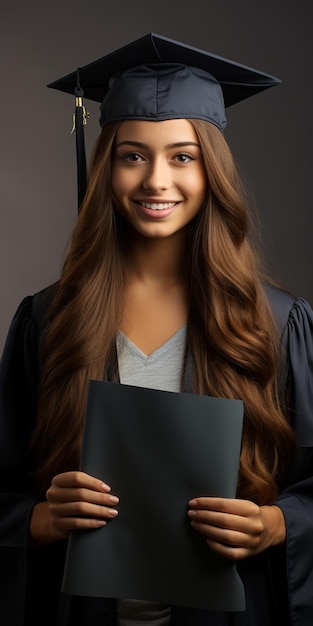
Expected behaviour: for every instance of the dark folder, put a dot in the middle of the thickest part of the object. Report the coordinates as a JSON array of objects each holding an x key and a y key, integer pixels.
[{"x": 157, "y": 450}]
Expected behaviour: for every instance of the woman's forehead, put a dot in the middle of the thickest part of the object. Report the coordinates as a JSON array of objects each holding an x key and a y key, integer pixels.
[{"x": 167, "y": 131}]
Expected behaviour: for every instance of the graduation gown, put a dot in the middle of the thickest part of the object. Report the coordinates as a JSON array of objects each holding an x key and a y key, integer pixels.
[{"x": 278, "y": 582}]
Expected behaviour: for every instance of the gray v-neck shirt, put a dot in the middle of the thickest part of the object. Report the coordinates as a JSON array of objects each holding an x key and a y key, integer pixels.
[{"x": 159, "y": 370}]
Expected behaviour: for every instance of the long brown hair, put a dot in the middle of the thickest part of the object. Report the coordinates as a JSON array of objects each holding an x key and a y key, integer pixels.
[{"x": 231, "y": 333}]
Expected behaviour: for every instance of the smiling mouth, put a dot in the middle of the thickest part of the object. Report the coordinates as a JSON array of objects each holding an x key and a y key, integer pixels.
[{"x": 157, "y": 206}]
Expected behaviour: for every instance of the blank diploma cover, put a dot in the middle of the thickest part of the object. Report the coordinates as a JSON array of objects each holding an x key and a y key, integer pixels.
[{"x": 157, "y": 450}]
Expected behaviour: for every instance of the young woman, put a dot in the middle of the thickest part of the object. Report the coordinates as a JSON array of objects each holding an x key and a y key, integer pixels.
[{"x": 161, "y": 257}]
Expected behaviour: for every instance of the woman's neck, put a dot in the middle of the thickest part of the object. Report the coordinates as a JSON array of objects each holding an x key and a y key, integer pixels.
[
  {"x": 156, "y": 293},
  {"x": 158, "y": 261}
]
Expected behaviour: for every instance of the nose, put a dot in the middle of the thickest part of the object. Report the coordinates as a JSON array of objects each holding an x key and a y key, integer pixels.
[{"x": 157, "y": 176}]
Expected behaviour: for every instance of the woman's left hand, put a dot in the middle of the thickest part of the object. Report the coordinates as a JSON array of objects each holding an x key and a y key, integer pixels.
[{"x": 237, "y": 529}]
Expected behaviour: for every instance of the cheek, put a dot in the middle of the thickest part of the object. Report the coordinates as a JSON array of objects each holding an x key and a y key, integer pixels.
[
  {"x": 124, "y": 180},
  {"x": 117, "y": 182},
  {"x": 196, "y": 182}
]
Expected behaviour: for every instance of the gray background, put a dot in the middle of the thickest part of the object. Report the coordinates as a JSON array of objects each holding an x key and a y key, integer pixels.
[{"x": 270, "y": 135}]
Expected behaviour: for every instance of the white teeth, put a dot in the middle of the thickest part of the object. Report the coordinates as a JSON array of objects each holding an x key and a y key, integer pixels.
[{"x": 158, "y": 206}]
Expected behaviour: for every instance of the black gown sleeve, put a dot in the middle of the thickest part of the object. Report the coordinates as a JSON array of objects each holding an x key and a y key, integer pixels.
[
  {"x": 296, "y": 500},
  {"x": 18, "y": 390}
]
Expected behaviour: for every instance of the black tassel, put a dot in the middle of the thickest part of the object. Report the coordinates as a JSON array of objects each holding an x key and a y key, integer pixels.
[{"x": 79, "y": 121}]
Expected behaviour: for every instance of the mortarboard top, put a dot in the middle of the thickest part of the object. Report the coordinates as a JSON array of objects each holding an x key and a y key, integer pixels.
[
  {"x": 237, "y": 81},
  {"x": 156, "y": 78}
]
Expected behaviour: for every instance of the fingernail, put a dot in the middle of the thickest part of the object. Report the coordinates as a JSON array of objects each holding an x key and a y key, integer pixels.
[
  {"x": 114, "y": 499},
  {"x": 105, "y": 487}
]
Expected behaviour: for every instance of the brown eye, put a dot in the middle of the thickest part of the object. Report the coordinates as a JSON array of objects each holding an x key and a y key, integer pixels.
[
  {"x": 184, "y": 158},
  {"x": 133, "y": 157}
]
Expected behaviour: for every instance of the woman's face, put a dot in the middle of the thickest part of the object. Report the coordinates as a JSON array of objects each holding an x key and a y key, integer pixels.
[{"x": 158, "y": 176}]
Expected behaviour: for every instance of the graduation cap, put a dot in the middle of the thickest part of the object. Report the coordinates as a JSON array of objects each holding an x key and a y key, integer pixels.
[{"x": 156, "y": 78}]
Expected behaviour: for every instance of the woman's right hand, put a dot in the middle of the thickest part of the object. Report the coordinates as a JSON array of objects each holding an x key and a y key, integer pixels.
[{"x": 75, "y": 501}]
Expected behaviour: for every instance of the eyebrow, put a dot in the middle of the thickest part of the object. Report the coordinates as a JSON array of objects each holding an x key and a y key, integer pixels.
[{"x": 139, "y": 144}]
